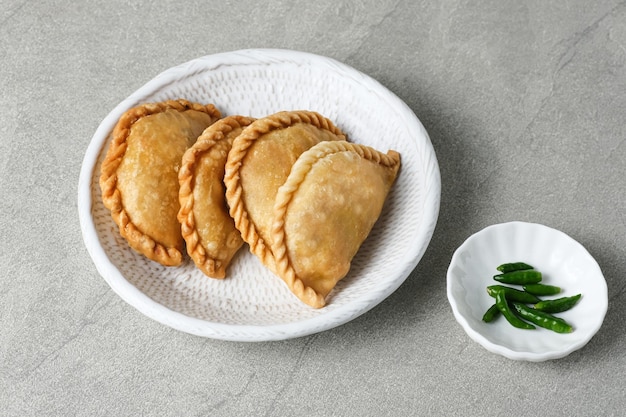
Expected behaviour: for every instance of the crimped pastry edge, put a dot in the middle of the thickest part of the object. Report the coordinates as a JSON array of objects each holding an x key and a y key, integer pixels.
[
  {"x": 111, "y": 196},
  {"x": 232, "y": 179},
  {"x": 300, "y": 169},
  {"x": 210, "y": 266}
]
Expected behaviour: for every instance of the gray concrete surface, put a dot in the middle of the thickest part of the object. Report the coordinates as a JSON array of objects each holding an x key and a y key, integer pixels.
[{"x": 525, "y": 105}]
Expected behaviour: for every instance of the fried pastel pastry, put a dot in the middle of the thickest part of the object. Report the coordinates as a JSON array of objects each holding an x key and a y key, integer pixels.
[
  {"x": 139, "y": 175},
  {"x": 324, "y": 211},
  {"x": 209, "y": 232},
  {"x": 259, "y": 163}
]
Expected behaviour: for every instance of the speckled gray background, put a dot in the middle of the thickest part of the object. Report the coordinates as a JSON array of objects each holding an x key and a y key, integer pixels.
[{"x": 525, "y": 105}]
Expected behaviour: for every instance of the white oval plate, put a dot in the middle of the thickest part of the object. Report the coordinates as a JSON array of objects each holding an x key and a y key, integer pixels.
[
  {"x": 252, "y": 304},
  {"x": 562, "y": 261}
]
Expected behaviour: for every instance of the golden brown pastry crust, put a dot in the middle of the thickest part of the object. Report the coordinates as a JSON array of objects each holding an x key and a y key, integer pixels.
[
  {"x": 324, "y": 212},
  {"x": 258, "y": 164},
  {"x": 209, "y": 231},
  {"x": 144, "y": 241}
]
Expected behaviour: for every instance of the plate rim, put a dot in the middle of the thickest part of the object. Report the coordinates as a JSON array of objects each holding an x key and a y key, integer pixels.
[{"x": 244, "y": 332}]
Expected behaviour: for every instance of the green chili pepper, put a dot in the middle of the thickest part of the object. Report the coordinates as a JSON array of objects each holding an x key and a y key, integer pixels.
[
  {"x": 543, "y": 319},
  {"x": 513, "y": 294},
  {"x": 513, "y": 266},
  {"x": 519, "y": 277},
  {"x": 508, "y": 314},
  {"x": 542, "y": 289},
  {"x": 491, "y": 314},
  {"x": 559, "y": 305}
]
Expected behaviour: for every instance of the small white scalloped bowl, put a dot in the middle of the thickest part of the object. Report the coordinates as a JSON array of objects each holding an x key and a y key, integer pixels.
[{"x": 563, "y": 262}]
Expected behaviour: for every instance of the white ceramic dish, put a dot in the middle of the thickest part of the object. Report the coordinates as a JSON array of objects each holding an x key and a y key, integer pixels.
[
  {"x": 252, "y": 304},
  {"x": 562, "y": 261}
]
